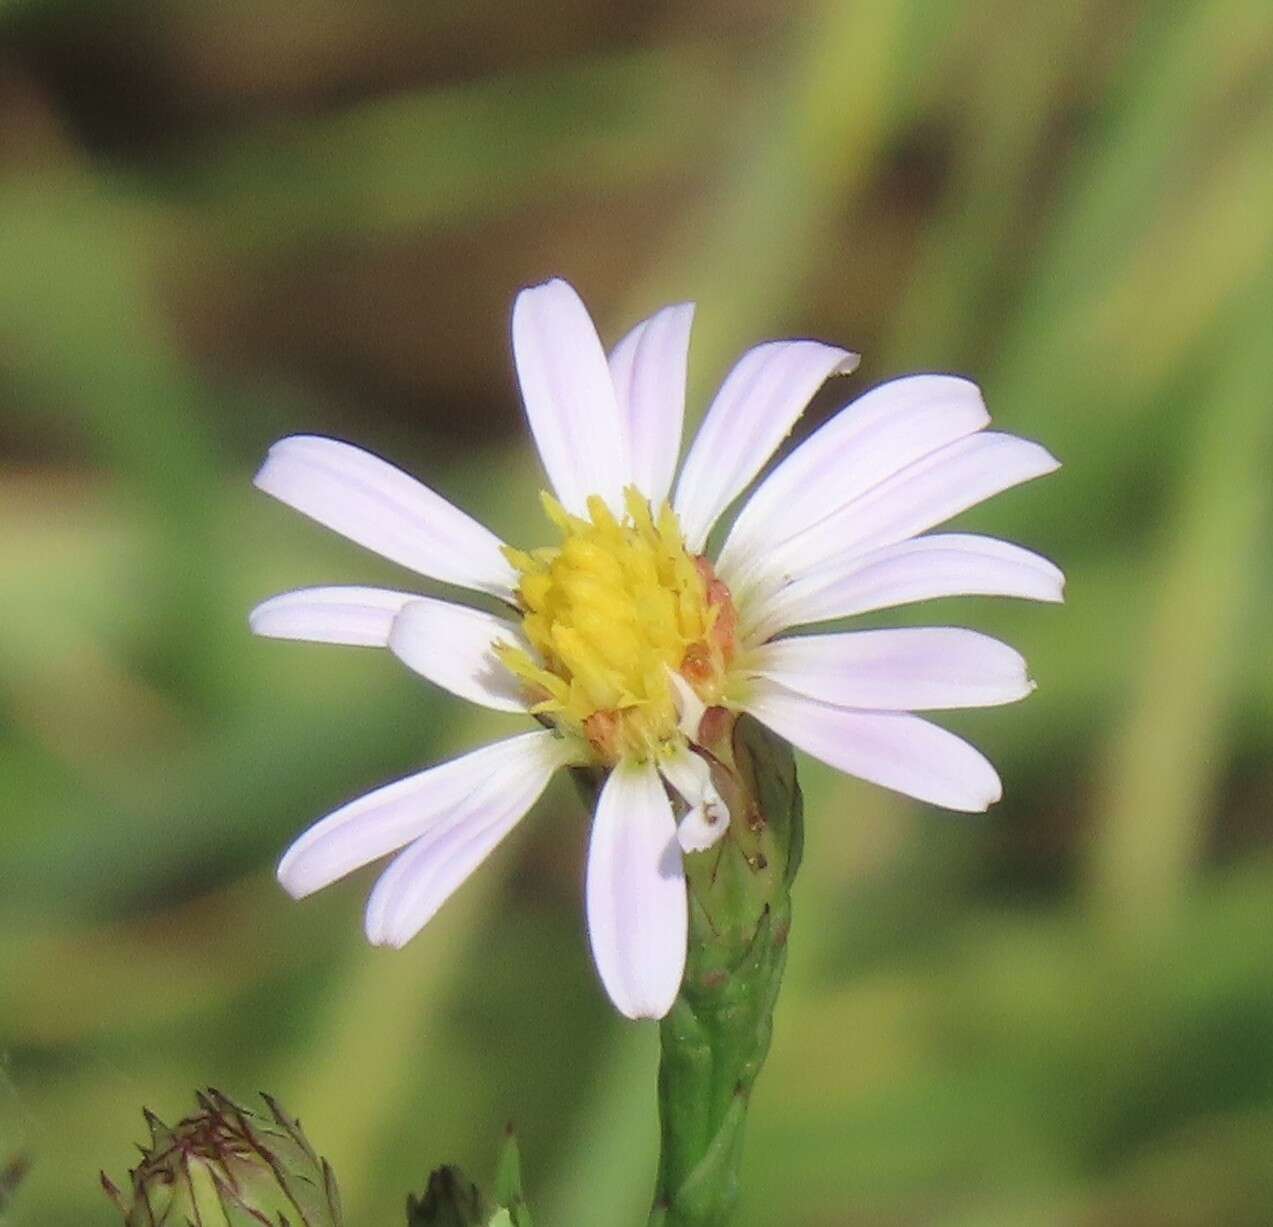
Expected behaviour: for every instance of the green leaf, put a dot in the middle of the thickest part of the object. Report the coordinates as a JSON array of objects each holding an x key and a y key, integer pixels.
[{"x": 508, "y": 1182}]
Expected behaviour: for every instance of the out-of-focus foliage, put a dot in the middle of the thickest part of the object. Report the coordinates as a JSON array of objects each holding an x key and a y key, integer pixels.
[{"x": 220, "y": 223}]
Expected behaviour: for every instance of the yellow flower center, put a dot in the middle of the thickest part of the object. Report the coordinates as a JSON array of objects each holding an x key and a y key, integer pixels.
[{"x": 612, "y": 613}]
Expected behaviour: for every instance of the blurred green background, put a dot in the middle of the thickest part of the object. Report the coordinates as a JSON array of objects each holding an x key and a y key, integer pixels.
[{"x": 224, "y": 222}]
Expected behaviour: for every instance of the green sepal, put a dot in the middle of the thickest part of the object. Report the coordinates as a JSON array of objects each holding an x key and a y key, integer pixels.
[{"x": 508, "y": 1182}]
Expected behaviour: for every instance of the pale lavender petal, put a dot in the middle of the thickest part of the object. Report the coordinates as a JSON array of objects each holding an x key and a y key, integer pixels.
[
  {"x": 360, "y": 617},
  {"x": 380, "y": 822},
  {"x": 878, "y": 435},
  {"x": 569, "y": 397},
  {"x": 452, "y": 646},
  {"x": 909, "y": 669},
  {"x": 921, "y": 496},
  {"x": 700, "y": 829},
  {"x": 921, "y": 569},
  {"x": 424, "y": 876},
  {"x": 901, "y": 752},
  {"x": 753, "y": 412},
  {"x": 708, "y": 817},
  {"x": 380, "y": 507},
  {"x": 648, "y": 368},
  {"x": 688, "y": 773},
  {"x": 637, "y": 907}
]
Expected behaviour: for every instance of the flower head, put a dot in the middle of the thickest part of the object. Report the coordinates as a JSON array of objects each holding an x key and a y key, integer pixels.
[{"x": 631, "y": 646}]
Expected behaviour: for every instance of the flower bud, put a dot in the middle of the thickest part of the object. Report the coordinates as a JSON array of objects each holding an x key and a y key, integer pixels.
[
  {"x": 228, "y": 1167},
  {"x": 453, "y": 1200},
  {"x": 450, "y": 1200}
]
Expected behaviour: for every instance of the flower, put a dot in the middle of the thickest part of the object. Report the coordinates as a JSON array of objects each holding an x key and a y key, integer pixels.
[{"x": 625, "y": 641}]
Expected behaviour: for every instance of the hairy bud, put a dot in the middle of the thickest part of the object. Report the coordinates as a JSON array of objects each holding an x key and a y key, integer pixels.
[{"x": 230, "y": 1167}]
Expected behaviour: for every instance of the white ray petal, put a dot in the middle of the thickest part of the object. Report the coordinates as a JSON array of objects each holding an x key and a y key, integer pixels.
[
  {"x": 898, "y": 751},
  {"x": 380, "y": 507},
  {"x": 876, "y": 436},
  {"x": 452, "y": 646},
  {"x": 360, "y": 617},
  {"x": 921, "y": 496},
  {"x": 637, "y": 907},
  {"x": 921, "y": 569},
  {"x": 648, "y": 369},
  {"x": 699, "y": 830},
  {"x": 388, "y": 818},
  {"x": 425, "y": 875},
  {"x": 753, "y": 412},
  {"x": 569, "y": 397},
  {"x": 687, "y": 772},
  {"x": 909, "y": 669},
  {"x": 690, "y": 709},
  {"x": 708, "y": 816}
]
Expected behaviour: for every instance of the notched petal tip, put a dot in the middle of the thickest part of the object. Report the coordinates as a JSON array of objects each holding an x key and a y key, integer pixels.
[
  {"x": 550, "y": 284},
  {"x": 649, "y": 1013},
  {"x": 384, "y": 941},
  {"x": 371, "y": 927}
]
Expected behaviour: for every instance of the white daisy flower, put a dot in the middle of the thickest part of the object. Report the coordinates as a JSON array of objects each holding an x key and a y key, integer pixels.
[{"x": 621, "y": 637}]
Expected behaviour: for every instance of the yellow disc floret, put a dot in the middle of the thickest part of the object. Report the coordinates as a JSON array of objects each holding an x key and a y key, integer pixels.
[{"x": 611, "y": 613}]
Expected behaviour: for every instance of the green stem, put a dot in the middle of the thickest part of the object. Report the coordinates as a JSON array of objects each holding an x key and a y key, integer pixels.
[{"x": 717, "y": 1035}]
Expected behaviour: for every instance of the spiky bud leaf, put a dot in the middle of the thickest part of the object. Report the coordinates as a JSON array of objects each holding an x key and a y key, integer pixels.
[
  {"x": 450, "y": 1200},
  {"x": 227, "y": 1165}
]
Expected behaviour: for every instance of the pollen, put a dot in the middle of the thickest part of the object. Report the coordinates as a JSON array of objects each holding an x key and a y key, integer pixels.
[{"x": 611, "y": 614}]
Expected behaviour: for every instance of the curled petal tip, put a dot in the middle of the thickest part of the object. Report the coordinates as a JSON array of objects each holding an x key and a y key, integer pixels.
[{"x": 701, "y": 829}]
